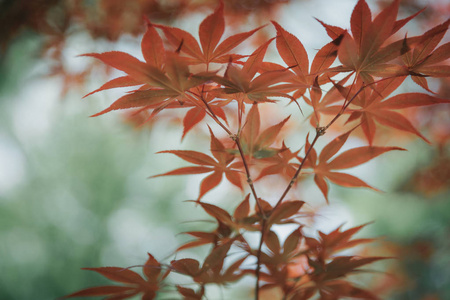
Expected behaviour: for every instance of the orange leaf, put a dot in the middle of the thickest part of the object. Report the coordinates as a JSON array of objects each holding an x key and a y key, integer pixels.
[
  {"x": 292, "y": 51},
  {"x": 284, "y": 211},
  {"x": 208, "y": 183},
  {"x": 118, "y": 274},
  {"x": 211, "y": 30},
  {"x": 104, "y": 291},
  {"x": 243, "y": 209},
  {"x": 123, "y": 81},
  {"x": 217, "y": 212},
  {"x": 152, "y": 47},
  {"x": 357, "y": 156}
]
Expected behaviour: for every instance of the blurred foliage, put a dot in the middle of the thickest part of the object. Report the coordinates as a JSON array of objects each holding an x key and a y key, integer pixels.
[{"x": 75, "y": 177}]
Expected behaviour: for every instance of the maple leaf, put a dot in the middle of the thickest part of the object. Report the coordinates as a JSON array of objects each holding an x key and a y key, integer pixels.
[
  {"x": 282, "y": 214},
  {"x": 161, "y": 89},
  {"x": 210, "y": 32},
  {"x": 327, "y": 269},
  {"x": 198, "y": 112},
  {"x": 190, "y": 294},
  {"x": 324, "y": 169},
  {"x": 257, "y": 144},
  {"x": 278, "y": 259},
  {"x": 281, "y": 164},
  {"x": 219, "y": 165},
  {"x": 327, "y": 277},
  {"x": 366, "y": 52},
  {"x": 294, "y": 55},
  {"x": 280, "y": 254},
  {"x": 228, "y": 227},
  {"x": 423, "y": 62},
  {"x": 212, "y": 270},
  {"x": 337, "y": 289},
  {"x": 371, "y": 106},
  {"x": 154, "y": 54},
  {"x": 164, "y": 77},
  {"x": 135, "y": 283},
  {"x": 243, "y": 86},
  {"x": 337, "y": 240}
]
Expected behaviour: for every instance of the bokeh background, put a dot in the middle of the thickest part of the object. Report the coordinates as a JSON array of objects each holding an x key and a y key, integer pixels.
[{"x": 74, "y": 190}]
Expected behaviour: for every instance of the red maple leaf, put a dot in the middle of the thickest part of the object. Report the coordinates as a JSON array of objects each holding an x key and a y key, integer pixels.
[
  {"x": 427, "y": 61},
  {"x": 219, "y": 166},
  {"x": 135, "y": 284},
  {"x": 243, "y": 86},
  {"x": 294, "y": 55},
  {"x": 324, "y": 168},
  {"x": 371, "y": 106},
  {"x": 367, "y": 51},
  {"x": 210, "y": 33}
]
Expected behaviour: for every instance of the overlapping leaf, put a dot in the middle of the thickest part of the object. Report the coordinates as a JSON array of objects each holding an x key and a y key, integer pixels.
[
  {"x": 366, "y": 52},
  {"x": 164, "y": 77},
  {"x": 135, "y": 284},
  {"x": 294, "y": 55},
  {"x": 258, "y": 144},
  {"x": 426, "y": 60},
  {"x": 328, "y": 270},
  {"x": 370, "y": 107},
  {"x": 228, "y": 227},
  {"x": 212, "y": 269},
  {"x": 219, "y": 166},
  {"x": 324, "y": 168},
  {"x": 242, "y": 84},
  {"x": 281, "y": 164},
  {"x": 210, "y": 33}
]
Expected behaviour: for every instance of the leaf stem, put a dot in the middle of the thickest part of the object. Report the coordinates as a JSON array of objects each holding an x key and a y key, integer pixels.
[
  {"x": 236, "y": 139},
  {"x": 211, "y": 113},
  {"x": 341, "y": 112}
]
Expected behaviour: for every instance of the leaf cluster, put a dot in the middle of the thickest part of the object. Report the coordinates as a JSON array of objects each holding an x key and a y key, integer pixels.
[{"x": 208, "y": 81}]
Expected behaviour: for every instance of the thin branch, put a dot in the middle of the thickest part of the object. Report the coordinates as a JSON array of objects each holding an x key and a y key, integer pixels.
[
  {"x": 211, "y": 113},
  {"x": 258, "y": 257},
  {"x": 236, "y": 139},
  {"x": 319, "y": 132}
]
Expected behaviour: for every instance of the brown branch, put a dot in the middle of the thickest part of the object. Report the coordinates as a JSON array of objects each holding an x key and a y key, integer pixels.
[
  {"x": 319, "y": 132},
  {"x": 258, "y": 257}
]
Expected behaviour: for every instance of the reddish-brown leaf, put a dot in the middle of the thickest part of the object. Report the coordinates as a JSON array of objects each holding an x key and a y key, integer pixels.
[
  {"x": 357, "y": 156},
  {"x": 207, "y": 164},
  {"x": 118, "y": 274},
  {"x": 123, "y": 81},
  {"x": 284, "y": 211},
  {"x": 292, "y": 242},
  {"x": 211, "y": 30},
  {"x": 186, "y": 266},
  {"x": 210, "y": 33},
  {"x": 152, "y": 47},
  {"x": 243, "y": 209},
  {"x": 372, "y": 107},
  {"x": 324, "y": 168},
  {"x": 148, "y": 288},
  {"x": 107, "y": 290},
  {"x": 366, "y": 52},
  {"x": 152, "y": 268},
  {"x": 217, "y": 213},
  {"x": 292, "y": 51},
  {"x": 136, "y": 69}
]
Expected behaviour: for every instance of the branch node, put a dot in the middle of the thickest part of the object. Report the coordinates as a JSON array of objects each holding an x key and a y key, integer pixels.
[
  {"x": 234, "y": 137},
  {"x": 321, "y": 130}
]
